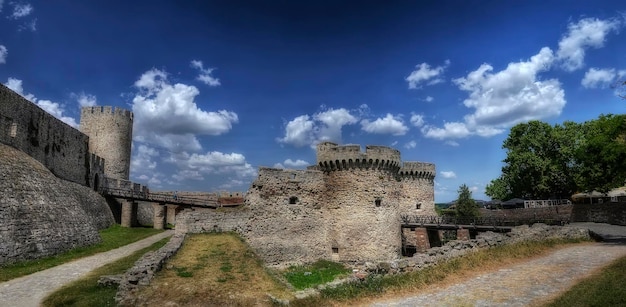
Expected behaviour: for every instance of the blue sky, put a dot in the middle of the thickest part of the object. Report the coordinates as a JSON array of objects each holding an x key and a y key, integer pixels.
[{"x": 220, "y": 88}]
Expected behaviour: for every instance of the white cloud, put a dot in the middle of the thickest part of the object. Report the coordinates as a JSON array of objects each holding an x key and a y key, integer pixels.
[
  {"x": 411, "y": 144},
  {"x": 197, "y": 166},
  {"x": 454, "y": 130},
  {"x": 1, "y": 3},
  {"x": 322, "y": 126},
  {"x": 598, "y": 78},
  {"x": 298, "y": 164},
  {"x": 54, "y": 108},
  {"x": 21, "y": 10},
  {"x": 387, "y": 125},
  {"x": 167, "y": 115},
  {"x": 424, "y": 73},
  {"x": 452, "y": 143},
  {"x": 299, "y": 131},
  {"x": 143, "y": 159},
  {"x": 205, "y": 74},
  {"x": 447, "y": 174},
  {"x": 505, "y": 98},
  {"x": 4, "y": 52},
  {"x": 85, "y": 100},
  {"x": 417, "y": 120},
  {"x": 587, "y": 32},
  {"x": 28, "y": 25},
  {"x": 429, "y": 99}
]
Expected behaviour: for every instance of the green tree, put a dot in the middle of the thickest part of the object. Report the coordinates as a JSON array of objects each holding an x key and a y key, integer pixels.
[
  {"x": 601, "y": 157},
  {"x": 539, "y": 162},
  {"x": 465, "y": 205}
]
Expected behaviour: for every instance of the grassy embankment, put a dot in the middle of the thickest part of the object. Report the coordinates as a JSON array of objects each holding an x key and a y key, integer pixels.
[
  {"x": 86, "y": 291},
  {"x": 112, "y": 238},
  {"x": 220, "y": 269},
  {"x": 605, "y": 288}
]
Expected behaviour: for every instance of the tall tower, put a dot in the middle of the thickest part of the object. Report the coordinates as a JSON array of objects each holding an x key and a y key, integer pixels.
[{"x": 110, "y": 132}]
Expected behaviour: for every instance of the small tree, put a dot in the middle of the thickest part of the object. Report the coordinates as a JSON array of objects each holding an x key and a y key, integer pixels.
[{"x": 465, "y": 205}]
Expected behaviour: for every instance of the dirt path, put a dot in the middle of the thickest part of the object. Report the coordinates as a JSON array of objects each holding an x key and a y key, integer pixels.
[
  {"x": 30, "y": 290},
  {"x": 523, "y": 284}
]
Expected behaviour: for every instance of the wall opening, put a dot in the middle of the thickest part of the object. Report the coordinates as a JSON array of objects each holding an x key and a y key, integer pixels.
[
  {"x": 378, "y": 202},
  {"x": 13, "y": 130},
  {"x": 335, "y": 250},
  {"x": 418, "y": 206},
  {"x": 96, "y": 182},
  {"x": 293, "y": 200}
]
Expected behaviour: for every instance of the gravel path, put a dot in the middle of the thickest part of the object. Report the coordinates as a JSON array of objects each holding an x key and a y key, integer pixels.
[
  {"x": 30, "y": 290},
  {"x": 522, "y": 284}
]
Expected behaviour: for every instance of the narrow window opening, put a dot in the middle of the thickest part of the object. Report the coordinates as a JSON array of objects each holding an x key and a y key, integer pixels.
[
  {"x": 293, "y": 176},
  {"x": 13, "y": 131},
  {"x": 293, "y": 200},
  {"x": 335, "y": 250},
  {"x": 378, "y": 202},
  {"x": 418, "y": 206}
]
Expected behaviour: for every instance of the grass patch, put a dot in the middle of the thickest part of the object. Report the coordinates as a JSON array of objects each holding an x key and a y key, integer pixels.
[
  {"x": 376, "y": 286},
  {"x": 225, "y": 273},
  {"x": 112, "y": 238},
  {"x": 320, "y": 272},
  {"x": 86, "y": 292},
  {"x": 606, "y": 288}
]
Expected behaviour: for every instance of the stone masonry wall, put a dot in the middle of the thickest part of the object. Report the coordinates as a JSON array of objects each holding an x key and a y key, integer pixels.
[
  {"x": 61, "y": 148},
  {"x": 42, "y": 215},
  {"x": 610, "y": 213},
  {"x": 286, "y": 224},
  {"x": 110, "y": 133},
  {"x": 363, "y": 216}
]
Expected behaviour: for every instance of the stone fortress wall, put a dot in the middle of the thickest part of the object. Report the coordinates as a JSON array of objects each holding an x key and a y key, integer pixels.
[
  {"x": 346, "y": 207},
  {"x": 58, "y": 146}
]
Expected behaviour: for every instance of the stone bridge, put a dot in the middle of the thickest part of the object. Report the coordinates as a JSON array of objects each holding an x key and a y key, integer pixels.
[
  {"x": 421, "y": 232},
  {"x": 165, "y": 204}
]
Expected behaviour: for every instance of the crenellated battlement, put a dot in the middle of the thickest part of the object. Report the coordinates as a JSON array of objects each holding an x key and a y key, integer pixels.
[
  {"x": 332, "y": 157},
  {"x": 104, "y": 110},
  {"x": 417, "y": 170}
]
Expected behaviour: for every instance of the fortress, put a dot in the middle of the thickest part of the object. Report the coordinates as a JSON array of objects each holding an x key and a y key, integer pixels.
[{"x": 347, "y": 207}]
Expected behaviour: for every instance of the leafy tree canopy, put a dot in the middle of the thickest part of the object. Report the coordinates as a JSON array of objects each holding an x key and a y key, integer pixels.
[{"x": 465, "y": 205}]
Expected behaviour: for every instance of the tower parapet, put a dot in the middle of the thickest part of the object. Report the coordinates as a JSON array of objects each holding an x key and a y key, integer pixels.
[
  {"x": 331, "y": 157},
  {"x": 417, "y": 170}
]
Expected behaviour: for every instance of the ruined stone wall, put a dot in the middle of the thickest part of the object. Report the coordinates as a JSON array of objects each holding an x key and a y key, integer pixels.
[
  {"x": 558, "y": 213},
  {"x": 287, "y": 224},
  {"x": 61, "y": 148},
  {"x": 362, "y": 210},
  {"x": 110, "y": 133},
  {"x": 610, "y": 213}
]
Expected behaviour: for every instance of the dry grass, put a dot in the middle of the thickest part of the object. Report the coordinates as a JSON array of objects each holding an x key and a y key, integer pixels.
[{"x": 213, "y": 270}]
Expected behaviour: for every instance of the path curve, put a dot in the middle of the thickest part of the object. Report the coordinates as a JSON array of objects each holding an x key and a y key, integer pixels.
[
  {"x": 522, "y": 284},
  {"x": 30, "y": 290}
]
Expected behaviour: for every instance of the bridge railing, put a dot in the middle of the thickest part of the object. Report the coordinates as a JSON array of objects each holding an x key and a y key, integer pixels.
[{"x": 477, "y": 221}]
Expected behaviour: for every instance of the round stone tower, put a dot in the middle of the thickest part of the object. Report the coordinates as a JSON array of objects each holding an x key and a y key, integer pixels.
[
  {"x": 363, "y": 200},
  {"x": 110, "y": 132}
]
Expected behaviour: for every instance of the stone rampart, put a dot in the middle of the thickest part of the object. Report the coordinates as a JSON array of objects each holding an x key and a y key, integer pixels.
[
  {"x": 43, "y": 215},
  {"x": 417, "y": 170},
  {"x": 610, "y": 213},
  {"x": 61, "y": 148}
]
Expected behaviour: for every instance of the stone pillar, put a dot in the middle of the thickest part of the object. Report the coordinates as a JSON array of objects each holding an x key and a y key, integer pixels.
[
  {"x": 422, "y": 242},
  {"x": 462, "y": 234},
  {"x": 129, "y": 213},
  {"x": 171, "y": 214},
  {"x": 159, "y": 216}
]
